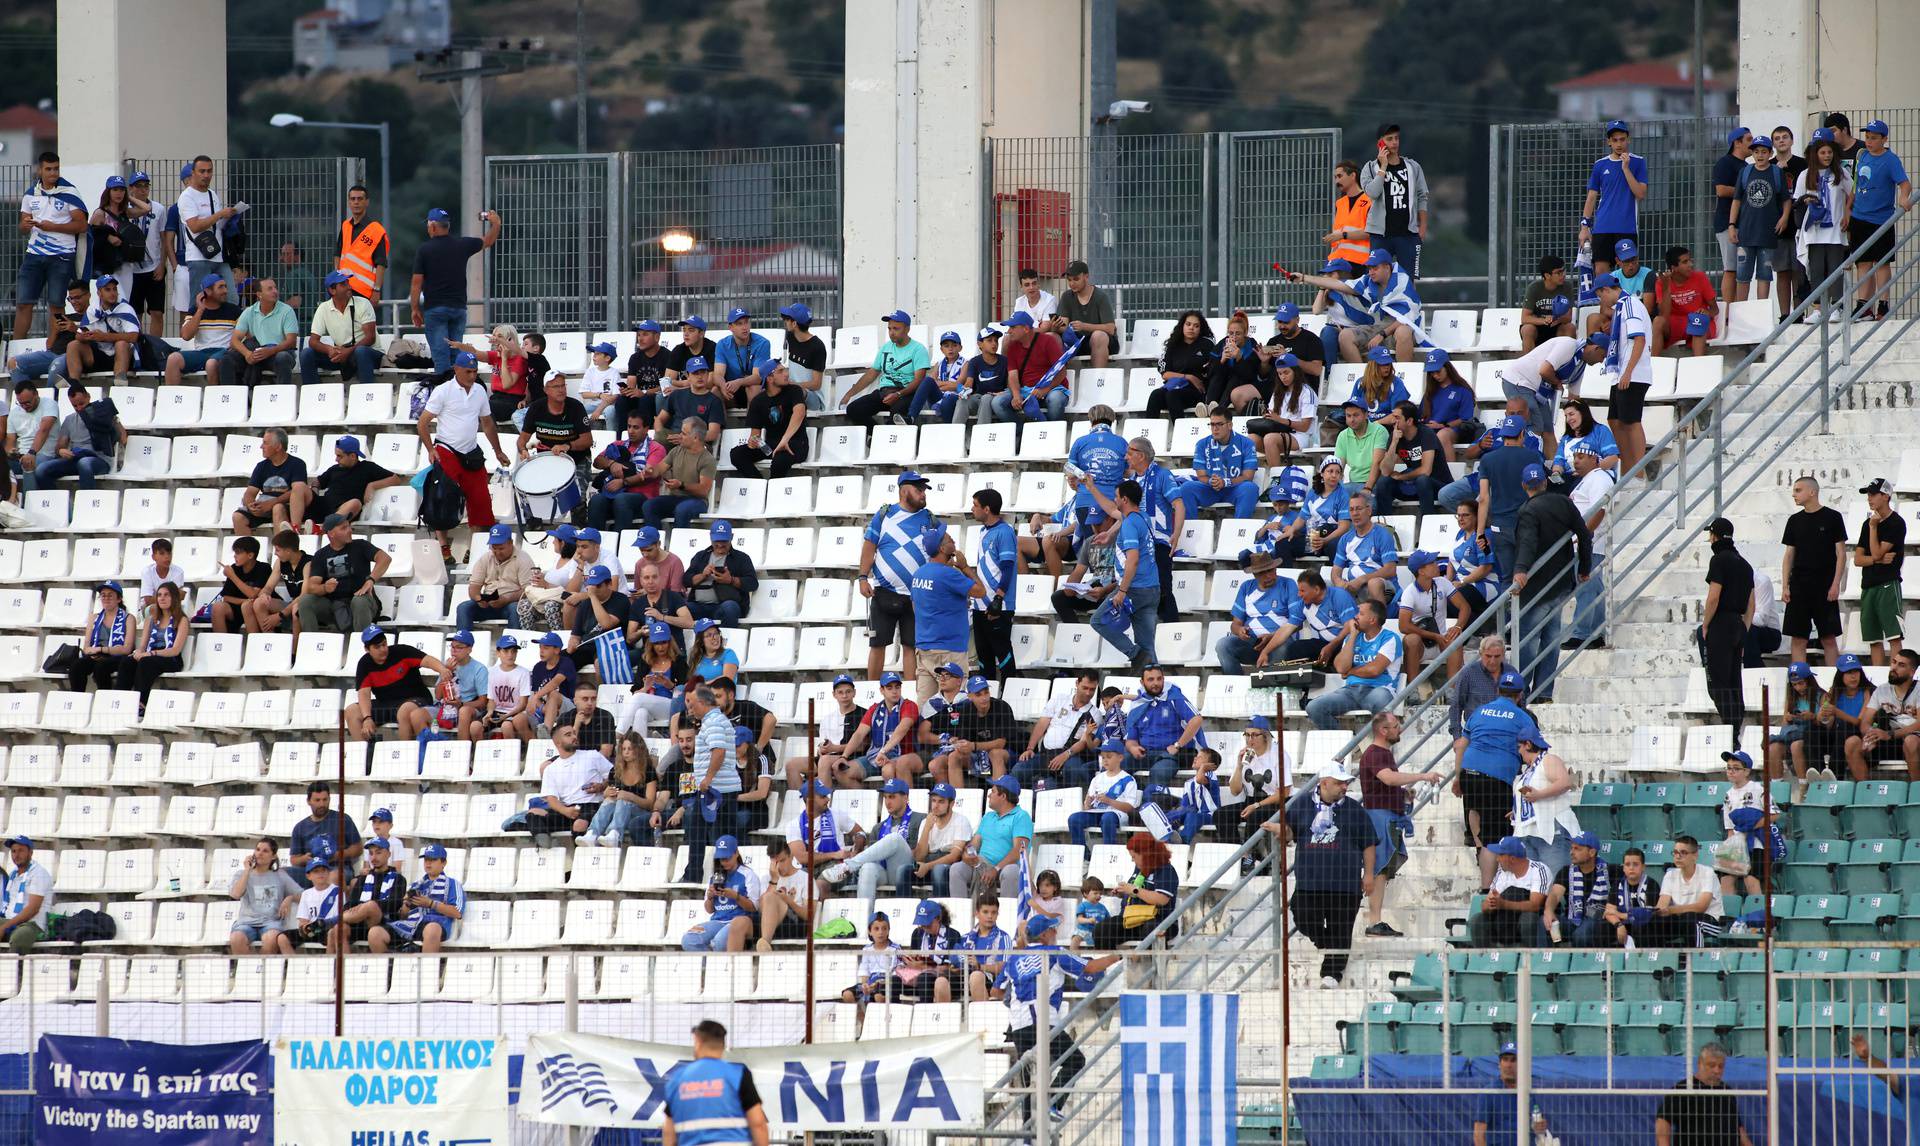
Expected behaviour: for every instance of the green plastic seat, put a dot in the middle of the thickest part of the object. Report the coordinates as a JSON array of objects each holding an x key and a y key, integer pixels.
[
  {"x": 1577, "y": 976},
  {"x": 1611, "y": 851},
  {"x": 1588, "y": 1036},
  {"x": 1482, "y": 1028},
  {"x": 1659, "y": 853},
  {"x": 1868, "y": 918},
  {"x": 1815, "y": 1030},
  {"x": 1748, "y": 1039},
  {"x": 1881, "y": 961},
  {"x": 1870, "y": 815},
  {"x": 1488, "y": 978},
  {"x": 1646, "y": 816},
  {"x": 1869, "y": 863},
  {"x": 1699, "y": 812},
  {"x": 1713, "y": 1021},
  {"x": 1817, "y": 815},
  {"x": 1913, "y": 960},
  {"x": 1906, "y": 817},
  {"x": 1652, "y": 1028},
  {"x": 1421, "y": 1034},
  {"x": 1810, "y": 865},
  {"x": 1550, "y": 1024},
  {"x": 1375, "y": 1033},
  {"x": 1645, "y": 976},
  {"x": 1904, "y": 875},
  {"x": 1598, "y": 807},
  {"x": 1884, "y": 1024},
  {"x": 1336, "y": 1067},
  {"x": 1422, "y": 984},
  {"x": 1807, "y": 922},
  {"x": 1705, "y": 976}
]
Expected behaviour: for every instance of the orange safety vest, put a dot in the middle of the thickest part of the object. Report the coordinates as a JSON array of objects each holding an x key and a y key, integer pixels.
[
  {"x": 356, "y": 254},
  {"x": 1351, "y": 216}
]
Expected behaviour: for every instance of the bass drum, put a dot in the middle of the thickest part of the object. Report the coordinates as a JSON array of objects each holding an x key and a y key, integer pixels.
[{"x": 546, "y": 491}]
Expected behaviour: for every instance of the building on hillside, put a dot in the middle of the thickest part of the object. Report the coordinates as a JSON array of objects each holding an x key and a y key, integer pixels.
[
  {"x": 1647, "y": 89},
  {"x": 370, "y": 35},
  {"x": 26, "y": 131}
]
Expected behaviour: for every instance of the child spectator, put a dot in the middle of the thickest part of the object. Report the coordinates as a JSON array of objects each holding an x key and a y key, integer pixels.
[
  {"x": 1756, "y": 220},
  {"x": 1046, "y": 900},
  {"x": 1091, "y": 913},
  {"x": 1681, "y": 294},
  {"x": 930, "y": 970},
  {"x": 319, "y": 909},
  {"x": 381, "y": 821},
  {"x": 1747, "y": 812},
  {"x": 877, "y": 961},
  {"x": 1200, "y": 799},
  {"x": 600, "y": 384},
  {"x": 987, "y": 935}
]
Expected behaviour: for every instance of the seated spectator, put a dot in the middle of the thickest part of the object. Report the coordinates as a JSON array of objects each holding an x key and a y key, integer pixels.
[
  {"x": 597, "y": 726},
  {"x": 1266, "y": 613},
  {"x": 1787, "y": 745},
  {"x": 1326, "y": 614},
  {"x": 277, "y": 494},
  {"x": 689, "y": 480},
  {"x": 1388, "y": 305},
  {"x": 1112, "y": 798},
  {"x": 1415, "y": 460},
  {"x": 571, "y": 783},
  {"x": 1836, "y": 725},
  {"x": 507, "y": 391},
  {"x": 32, "y": 431},
  {"x": 1447, "y": 404},
  {"x": 1061, "y": 745},
  {"x": 263, "y": 340},
  {"x": 340, "y": 338},
  {"x": 1141, "y": 902},
  {"x": 326, "y": 833},
  {"x": 1690, "y": 908},
  {"x": 1184, "y": 363},
  {"x": 899, "y": 366},
  {"x": 1162, "y": 729},
  {"x": 653, "y": 552},
  {"x": 697, "y": 398},
  {"x": 66, "y": 324},
  {"x": 982, "y": 741},
  {"x": 736, "y": 355},
  {"x": 941, "y": 840},
  {"x": 1510, "y": 916},
  {"x": 85, "y": 446},
  {"x": 1226, "y": 467},
  {"x": 1582, "y": 893},
  {"x": 1361, "y": 447},
  {"x": 571, "y": 575},
  {"x": 26, "y": 896},
  {"x": 435, "y": 904},
  {"x": 1261, "y": 780},
  {"x": 1036, "y": 390},
  {"x": 267, "y": 894},
  {"x": 1240, "y": 381},
  {"x": 720, "y": 579},
  {"x": 499, "y": 577},
  {"x": 107, "y": 641},
  {"x": 1547, "y": 311},
  {"x": 553, "y": 679},
  {"x": 381, "y": 821},
  {"x": 283, "y": 586},
  {"x": 1579, "y": 429},
  {"x": 163, "y": 648},
  {"x": 460, "y": 694},
  {"x": 1749, "y": 814},
  {"x": 630, "y": 472},
  {"x": 1285, "y": 425},
  {"x": 788, "y": 901},
  {"x": 837, "y": 722},
  {"x": 110, "y": 337},
  {"x": 1681, "y": 294},
  {"x": 877, "y": 961},
  {"x": 1086, "y": 312},
  {"x": 1631, "y": 911},
  {"x": 823, "y": 834},
  {"x": 597, "y": 608},
  {"x": 1379, "y": 388},
  {"x": 1369, "y": 661},
  {"x": 1422, "y": 609},
  {"x": 733, "y": 895},
  {"x": 1325, "y": 504},
  {"x": 378, "y": 894},
  {"x": 943, "y": 391},
  {"x": 660, "y": 671},
  {"x": 509, "y": 684},
  {"x": 318, "y": 913},
  {"x": 345, "y": 486},
  {"x": 555, "y": 423},
  {"x": 209, "y": 328},
  {"x": 931, "y": 968},
  {"x": 983, "y": 970},
  {"x": 713, "y": 659},
  {"x": 776, "y": 426},
  {"x": 887, "y": 850},
  {"x": 993, "y": 855},
  {"x": 600, "y": 385},
  {"x": 337, "y": 596},
  {"x": 240, "y": 584},
  {"x": 389, "y": 687},
  {"x": 1890, "y": 722},
  {"x": 1092, "y": 578}
]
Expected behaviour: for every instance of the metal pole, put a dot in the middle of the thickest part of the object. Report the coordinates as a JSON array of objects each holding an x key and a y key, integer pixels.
[
  {"x": 806, "y": 836},
  {"x": 1493, "y": 214},
  {"x": 1766, "y": 930},
  {"x": 102, "y": 1024},
  {"x": 340, "y": 857},
  {"x": 1280, "y": 911},
  {"x": 1523, "y": 1046},
  {"x": 1040, "y": 1113},
  {"x": 386, "y": 210},
  {"x": 1702, "y": 149},
  {"x": 473, "y": 174},
  {"x": 580, "y": 75}
]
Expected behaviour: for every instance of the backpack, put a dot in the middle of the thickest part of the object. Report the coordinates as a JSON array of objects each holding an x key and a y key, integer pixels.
[
  {"x": 86, "y": 926},
  {"x": 233, "y": 240},
  {"x": 442, "y": 504}
]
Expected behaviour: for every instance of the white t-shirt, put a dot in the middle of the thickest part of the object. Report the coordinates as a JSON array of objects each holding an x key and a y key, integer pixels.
[
  {"x": 1264, "y": 775},
  {"x": 836, "y": 726},
  {"x": 56, "y": 206},
  {"x": 397, "y": 848},
  {"x": 24, "y": 424},
  {"x": 1524, "y": 371},
  {"x": 509, "y": 688},
  {"x": 1430, "y": 602},
  {"x": 1064, "y": 716},
  {"x": 29, "y": 881},
  {"x": 1901, "y": 699},
  {"x": 1634, "y": 320},
  {"x": 458, "y": 411},
  {"x": 1752, "y": 794},
  {"x": 939, "y": 839},
  {"x": 314, "y": 901},
  {"x": 1296, "y": 409},
  {"x": 567, "y": 777},
  {"x": 198, "y": 205},
  {"x": 1586, "y": 495},
  {"x": 1767, "y": 613},
  {"x": 1678, "y": 889},
  {"x": 1122, "y": 788},
  {"x": 1535, "y": 878},
  {"x": 843, "y": 827},
  {"x": 1040, "y": 311},
  {"x": 597, "y": 384},
  {"x": 151, "y": 578}
]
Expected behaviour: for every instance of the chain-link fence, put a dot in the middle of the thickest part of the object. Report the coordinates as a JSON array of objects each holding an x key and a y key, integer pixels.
[
  {"x": 289, "y": 200},
  {"x": 1276, "y": 203},
  {"x": 551, "y": 268},
  {"x": 15, "y": 179}
]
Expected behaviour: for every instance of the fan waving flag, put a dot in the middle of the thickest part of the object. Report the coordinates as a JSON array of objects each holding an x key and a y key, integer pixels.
[
  {"x": 1025, "y": 907},
  {"x": 1178, "y": 1068},
  {"x": 1031, "y": 405},
  {"x": 611, "y": 655}
]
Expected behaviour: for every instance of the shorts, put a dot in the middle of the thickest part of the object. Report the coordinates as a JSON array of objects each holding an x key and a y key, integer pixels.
[
  {"x": 920, "y": 989},
  {"x": 1753, "y": 264},
  {"x": 1539, "y": 406},
  {"x": 405, "y": 931},
  {"x": 869, "y": 764},
  {"x": 1801, "y": 619},
  {"x": 320, "y": 507},
  {"x": 43, "y": 277},
  {"x": 791, "y": 927},
  {"x": 889, "y": 613},
  {"x": 1604, "y": 243},
  {"x": 1492, "y": 798},
  {"x": 1372, "y": 330},
  {"x": 255, "y": 933},
  {"x": 1884, "y": 750},
  {"x": 1865, "y": 251},
  {"x": 1729, "y": 256},
  {"x": 1880, "y": 618},
  {"x": 196, "y": 360},
  {"x": 256, "y": 520},
  {"x": 388, "y": 711},
  {"x": 149, "y": 294},
  {"x": 1792, "y": 733},
  {"x": 1628, "y": 404},
  {"x": 1387, "y": 828}
]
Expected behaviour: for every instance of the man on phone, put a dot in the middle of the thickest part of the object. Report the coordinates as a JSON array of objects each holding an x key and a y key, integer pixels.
[
  {"x": 437, "y": 297},
  {"x": 1397, "y": 188}
]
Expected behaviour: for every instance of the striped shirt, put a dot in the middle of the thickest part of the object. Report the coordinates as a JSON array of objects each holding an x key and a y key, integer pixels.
[
  {"x": 716, "y": 731},
  {"x": 898, "y": 553},
  {"x": 57, "y": 205},
  {"x": 998, "y": 560},
  {"x": 1157, "y": 484},
  {"x": 1263, "y": 611},
  {"x": 1228, "y": 459}
]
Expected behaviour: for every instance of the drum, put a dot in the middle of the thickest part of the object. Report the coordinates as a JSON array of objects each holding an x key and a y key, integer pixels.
[{"x": 546, "y": 489}]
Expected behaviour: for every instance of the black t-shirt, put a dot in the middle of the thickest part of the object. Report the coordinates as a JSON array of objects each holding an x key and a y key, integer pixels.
[
  {"x": 398, "y": 679},
  {"x": 669, "y": 603},
  {"x": 683, "y": 403},
  {"x": 1398, "y": 214},
  {"x": 677, "y": 358},
  {"x": 646, "y": 368},
  {"x": 770, "y": 412},
  {"x": 811, "y": 354},
  {"x": 349, "y": 483},
  {"x": 352, "y": 565},
  {"x": 1409, "y": 454},
  {"x": 1849, "y": 159},
  {"x": 553, "y": 429},
  {"x": 1304, "y": 345},
  {"x": 255, "y": 576},
  {"x": 293, "y": 576},
  {"x": 441, "y": 262},
  {"x": 988, "y": 377},
  {"x": 748, "y": 714},
  {"x": 1727, "y": 569},
  {"x": 586, "y": 622},
  {"x": 1701, "y": 1115},
  {"x": 1813, "y": 536},
  {"x": 1791, "y": 167},
  {"x": 995, "y": 723},
  {"x": 273, "y": 480},
  {"x": 1726, "y": 171},
  {"x": 1893, "y": 531}
]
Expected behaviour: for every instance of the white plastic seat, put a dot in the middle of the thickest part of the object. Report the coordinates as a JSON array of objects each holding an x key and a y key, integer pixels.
[
  {"x": 789, "y": 547},
  {"x": 321, "y": 404},
  {"x": 1499, "y": 331},
  {"x": 224, "y": 406},
  {"x": 1452, "y": 330},
  {"x": 398, "y": 452},
  {"x": 855, "y": 346},
  {"x": 369, "y": 404},
  {"x": 176, "y": 407}
]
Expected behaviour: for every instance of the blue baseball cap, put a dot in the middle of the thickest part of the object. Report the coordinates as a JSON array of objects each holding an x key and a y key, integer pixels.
[
  {"x": 1261, "y": 723},
  {"x": 1437, "y": 359},
  {"x": 798, "y": 312},
  {"x": 211, "y": 281},
  {"x": 647, "y": 324},
  {"x": 816, "y": 788},
  {"x": 991, "y": 330},
  {"x": 698, "y": 364},
  {"x": 605, "y": 348},
  {"x": 911, "y": 477},
  {"x": 1535, "y": 474},
  {"x": 899, "y": 316},
  {"x": 1289, "y": 360},
  {"x": 1007, "y": 784},
  {"x": 952, "y": 668},
  {"x": 1561, "y": 305},
  {"x": 105, "y": 281},
  {"x": 1510, "y": 847},
  {"x": 1847, "y": 663},
  {"x": 1419, "y": 559},
  {"x": 1380, "y": 258},
  {"x": 894, "y": 787},
  {"x": 1740, "y": 758},
  {"x": 843, "y": 678},
  {"x": 598, "y": 575},
  {"x": 1356, "y": 404},
  {"x": 115, "y": 181},
  {"x": 466, "y": 361},
  {"x": 765, "y": 368},
  {"x": 952, "y": 336},
  {"x": 1821, "y": 135},
  {"x": 461, "y": 637},
  {"x": 1599, "y": 338},
  {"x": 348, "y": 444},
  {"x": 507, "y": 641},
  {"x": 371, "y": 634},
  {"x": 1509, "y": 1050},
  {"x": 694, "y": 321},
  {"x": 977, "y": 683},
  {"x": 1286, "y": 312},
  {"x": 382, "y": 814},
  {"x": 1018, "y": 318},
  {"x": 1113, "y": 746},
  {"x": 1799, "y": 670},
  {"x": 1698, "y": 321},
  {"x": 736, "y": 314},
  {"x": 1337, "y": 267},
  {"x": 1876, "y": 126},
  {"x": 563, "y": 532},
  {"x": 889, "y": 677},
  {"x": 587, "y": 533},
  {"x": 659, "y": 631},
  {"x": 186, "y": 172},
  {"x": 646, "y": 538},
  {"x": 1586, "y": 840},
  {"x": 1606, "y": 281},
  {"x": 742, "y": 735},
  {"x": 879, "y": 917},
  {"x": 439, "y": 215},
  {"x": 1536, "y": 738},
  {"x": 1625, "y": 249},
  {"x": 139, "y": 177},
  {"x": 433, "y": 852},
  {"x": 1511, "y": 681},
  {"x": 932, "y": 536},
  {"x": 500, "y": 535},
  {"x": 942, "y": 791},
  {"x": 725, "y": 848},
  {"x": 926, "y": 913},
  {"x": 1038, "y": 924},
  {"x": 1614, "y": 125},
  {"x": 22, "y": 840},
  {"x": 703, "y": 624},
  {"x": 1736, "y": 135},
  {"x": 336, "y": 278},
  {"x": 377, "y": 842},
  {"x": 1381, "y": 355},
  {"x": 319, "y": 863},
  {"x": 721, "y": 530},
  {"x": 1513, "y": 425}
]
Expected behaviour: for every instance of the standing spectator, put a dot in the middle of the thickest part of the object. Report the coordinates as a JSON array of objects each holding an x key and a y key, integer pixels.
[
  {"x": 264, "y": 338},
  {"x": 1488, "y": 748},
  {"x": 736, "y": 356},
  {"x": 435, "y": 904},
  {"x": 1553, "y": 553},
  {"x": 993, "y": 855},
  {"x": 899, "y": 366},
  {"x": 25, "y": 898},
  {"x": 1848, "y": 146},
  {"x": 1747, "y": 810},
  {"x": 806, "y": 354},
  {"x": 691, "y": 471},
  {"x": 892, "y": 550},
  {"x": 88, "y": 441},
  {"x": 1397, "y": 190},
  {"x": 115, "y": 237},
  {"x": 716, "y": 777},
  {"x": 437, "y": 296},
  {"x": 1592, "y": 483},
  {"x": 1348, "y": 240},
  {"x": 1543, "y": 795},
  {"x": 1184, "y": 362},
  {"x": 1880, "y": 186},
  {"x": 209, "y": 326},
  {"x": 364, "y": 246},
  {"x": 1533, "y": 381},
  {"x": 1726, "y": 178},
  {"x": 1334, "y": 855},
  {"x": 1813, "y": 571},
  {"x": 997, "y": 562},
  {"x": 1369, "y": 660},
  {"x": 1688, "y": 309},
  {"x": 1086, "y": 311},
  {"x": 203, "y": 220},
  {"x": 1503, "y": 490},
  {"x": 1134, "y": 605},
  {"x": 389, "y": 688},
  {"x": 1611, "y": 214},
  {"x": 1723, "y": 632},
  {"x": 337, "y": 596},
  {"x": 1383, "y": 793},
  {"x": 277, "y": 492},
  {"x": 776, "y": 425},
  {"x": 1880, "y": 554},
  {"x": 52, "y": 217},
  {"x": 499, "y": 577},
  {"x": 1158, "y": 489},
  {"x": 110, "y": 336},
  {"x": 1030, "y": 354},
  {"x": 1699, "y": 1111},
  {"x": 108, "y": 638},
  {"x": 1629, "y": 360},
  {"x": 1757, "y": 219},
  {"x": 325, "y": 833},
  {"x": 1266, "y": 613},
  {"x": 1582, "y": 892},
  {"x": 450, "y": 427},
  {"x": 1787, "y": 266},
  {"x": 144, "y": 272},
  {"x": 1547, "y": 310},
  {"x": 1035, "y": 989},
  {"x": 345, "y": 486},
  {"x": 340, "y": 337},
  {"x": 1824, "y": 192},
  {"x": 1511, "y": 914},
  {"x": 733, "y": 897}
]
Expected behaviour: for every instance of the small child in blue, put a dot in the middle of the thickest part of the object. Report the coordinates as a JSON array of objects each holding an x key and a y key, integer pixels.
[
  {"x": 1091, "y": 914},
  {"x": 1200, "y": 799}
]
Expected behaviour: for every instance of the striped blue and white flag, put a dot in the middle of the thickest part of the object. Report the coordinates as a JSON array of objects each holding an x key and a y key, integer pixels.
[
  {"x": 1025, "y": 907},
  {"x": 612, "y": 658},
  {"x": 1178, "y": 1069}
]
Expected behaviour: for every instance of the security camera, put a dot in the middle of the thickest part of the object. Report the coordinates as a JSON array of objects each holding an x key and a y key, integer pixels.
[{"x": 1121, "y": 108}]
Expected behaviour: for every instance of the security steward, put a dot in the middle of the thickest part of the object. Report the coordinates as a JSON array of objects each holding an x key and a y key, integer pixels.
[
  {"x": 363, "y": 246},
  {"x": 710, "y": 1099}
]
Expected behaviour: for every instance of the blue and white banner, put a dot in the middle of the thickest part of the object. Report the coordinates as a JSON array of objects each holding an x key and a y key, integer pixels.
[
  {"x": 875, "y": 1084},
  {"x": 1178, "y": 1068},
  {"x": 390, "y": 1092},
  {"x": 612, "y": 658},
  {"x": 96, "y": 1092}
]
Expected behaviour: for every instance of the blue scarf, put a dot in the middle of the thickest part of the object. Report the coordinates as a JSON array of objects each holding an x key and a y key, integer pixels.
[
  {"x": 160, "y": 638},
  {"x": 826, "y": 834},
  {"x": 888, "y": 826},
  {"x": 118, "y": 635},
  {"x": 1578, "y": 898}
]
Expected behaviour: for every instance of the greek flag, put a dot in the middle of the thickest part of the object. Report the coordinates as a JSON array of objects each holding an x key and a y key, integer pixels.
[
  {"x": 562, "y": 1076},
  {"x": 611, "y": 655},
  {"x": 1178, "y": 1069},
  {"x": 1025, "y": 907}
]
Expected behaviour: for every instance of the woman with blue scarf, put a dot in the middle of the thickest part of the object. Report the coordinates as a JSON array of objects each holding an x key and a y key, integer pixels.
[{"x": 105, "y": 642}]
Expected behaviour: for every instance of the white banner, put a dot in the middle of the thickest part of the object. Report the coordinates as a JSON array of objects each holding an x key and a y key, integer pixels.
[
  {"x": 390, "y": 1092},
  {"x": 876, "y": 1084}
]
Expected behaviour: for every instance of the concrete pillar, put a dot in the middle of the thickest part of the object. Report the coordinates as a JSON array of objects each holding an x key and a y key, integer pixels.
[
  {"x": 140, "y": 80},
  {"x": 1798, "y": 57}
]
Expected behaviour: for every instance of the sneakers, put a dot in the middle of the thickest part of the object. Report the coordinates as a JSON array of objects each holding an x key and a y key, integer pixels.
[
  {"x": 834, "y": 872},
  {"x": 1384, "y": 931},
  {"x": 585, "y": 840},
  {"x": 610, "y": 840},
  {"x": 1328, "y": 982}
]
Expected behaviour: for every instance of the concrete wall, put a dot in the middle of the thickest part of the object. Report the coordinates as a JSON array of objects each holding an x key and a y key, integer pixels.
[
  {"x": 1800, "y": 56},
  {"x": 140, "y": 79}
]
